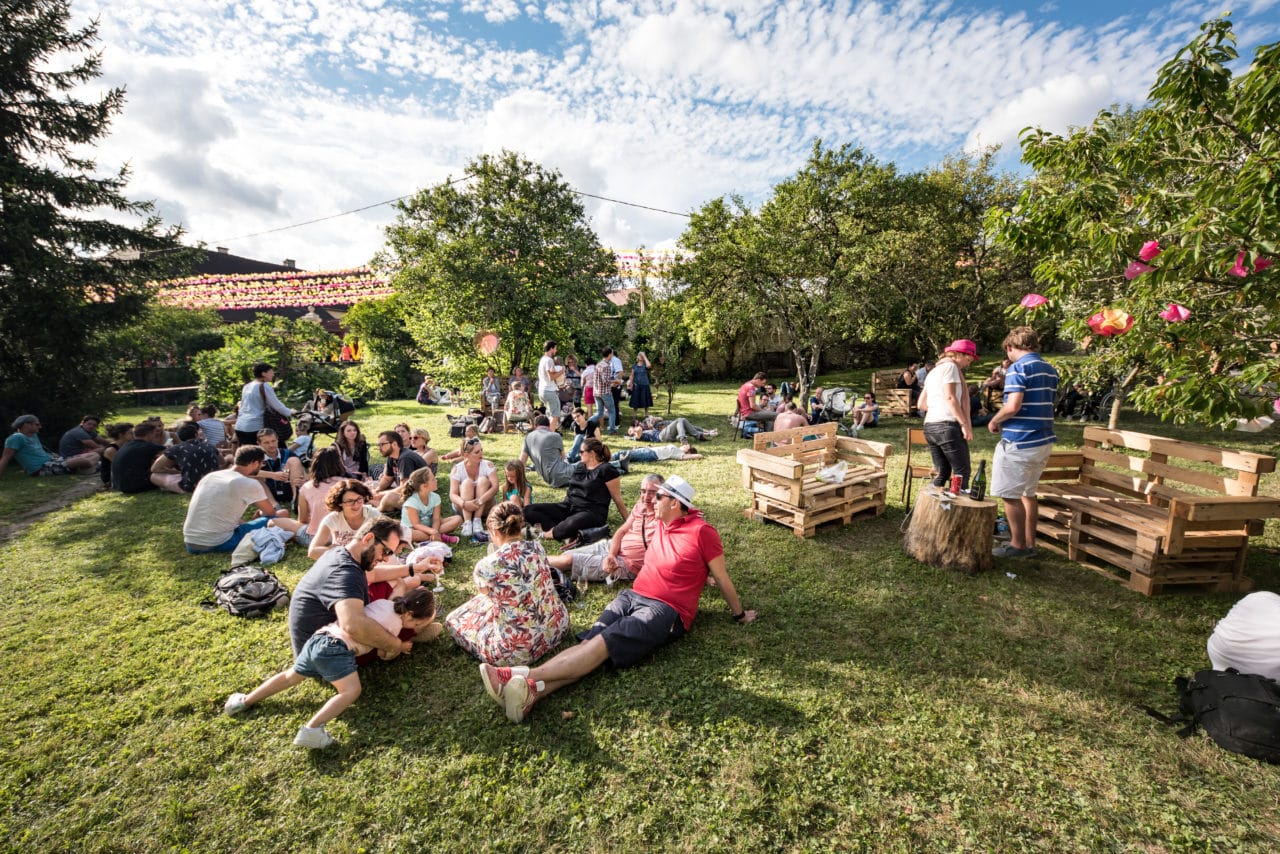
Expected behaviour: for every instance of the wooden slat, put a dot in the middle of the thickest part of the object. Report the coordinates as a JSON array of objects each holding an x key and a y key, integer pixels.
[
  {"x": 1159, "y": 471},
  {"x": 822, "y": 434},
  {"x": 1226, "y": 458},
  {"x": 1225, "y": 508},
  {"x": 775, "y": 465}
]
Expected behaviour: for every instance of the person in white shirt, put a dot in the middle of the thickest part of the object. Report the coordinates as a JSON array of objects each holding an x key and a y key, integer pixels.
[
  {"x": 1248, "y": 638},
  {"x": 945, "y": 402},
  {"x": 217, "y": 506},
  {"x": 549, "y": 374}
]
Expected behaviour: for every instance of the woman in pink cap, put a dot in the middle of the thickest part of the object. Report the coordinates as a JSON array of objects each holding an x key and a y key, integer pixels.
[{"x": 945, "y": 402}]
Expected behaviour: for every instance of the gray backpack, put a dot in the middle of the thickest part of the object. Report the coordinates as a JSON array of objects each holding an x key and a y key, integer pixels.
[{"x": 247, "y": 591}]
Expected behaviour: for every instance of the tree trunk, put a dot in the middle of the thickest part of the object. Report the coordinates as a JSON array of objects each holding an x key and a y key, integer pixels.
[
  {"x": 1113, "y": 419},
  {"x": 954, "y": 533}
]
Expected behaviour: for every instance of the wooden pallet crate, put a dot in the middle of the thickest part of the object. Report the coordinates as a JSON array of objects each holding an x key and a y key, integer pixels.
[{"x": 781, "y": 473}]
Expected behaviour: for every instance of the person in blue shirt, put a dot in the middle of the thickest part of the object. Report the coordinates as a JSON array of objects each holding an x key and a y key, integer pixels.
[
  {"x": 1025, "y": 425},
  {"x": 24, "y": 446}
]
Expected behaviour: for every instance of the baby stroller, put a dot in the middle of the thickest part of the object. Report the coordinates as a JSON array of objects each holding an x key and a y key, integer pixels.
[
  {"x": 325, "y": 413},
  {"x": 838, "y": 402}
]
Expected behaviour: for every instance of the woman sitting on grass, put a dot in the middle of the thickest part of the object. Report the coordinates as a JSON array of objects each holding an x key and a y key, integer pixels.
[
  {"x": 354, "y": 450},
  {"x": 516, "y": 617},
  {"x": 519, "y": 408},
  {"x": 420, "y": 512},
  {"x": 120, "y": 434},
  {"x": 326, "y": 472},
  {"x": 330, "y": 656},
  {"x": 473, "y": 484},
  {"x": 586, "y": 502},
  {"x": 469, "y": 433}
]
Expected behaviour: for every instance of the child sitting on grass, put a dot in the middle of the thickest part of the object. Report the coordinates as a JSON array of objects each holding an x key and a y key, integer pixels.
[
  {"x": 330, "y": 655},
  {"x": 420, "y": 513},
  {"x": 517, "y": 488}
]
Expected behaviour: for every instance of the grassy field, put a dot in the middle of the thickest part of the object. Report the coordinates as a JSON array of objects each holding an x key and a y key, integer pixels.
[{"x": 877, "y": 704}]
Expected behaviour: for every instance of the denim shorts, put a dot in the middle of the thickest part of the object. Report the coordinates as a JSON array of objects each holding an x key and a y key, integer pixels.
[
  {"x": 326, "y": 658},
  {"x": 229, "y": 545},
  {"x": 634, "y": 626}
]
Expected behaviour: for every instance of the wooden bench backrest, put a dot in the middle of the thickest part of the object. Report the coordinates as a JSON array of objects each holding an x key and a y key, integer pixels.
[
  {"x": 1146, "y": 466},
  {"x": 1063, "y": 465},
  {"x": 819, "y": 444},
  {"x": 882, "y": 381}
]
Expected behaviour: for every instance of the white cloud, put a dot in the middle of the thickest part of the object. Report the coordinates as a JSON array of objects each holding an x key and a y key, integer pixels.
[{"x": 246, "y": 115}]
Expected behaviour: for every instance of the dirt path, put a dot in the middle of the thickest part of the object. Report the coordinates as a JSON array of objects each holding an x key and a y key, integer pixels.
[{"x": 11, "y": 528}]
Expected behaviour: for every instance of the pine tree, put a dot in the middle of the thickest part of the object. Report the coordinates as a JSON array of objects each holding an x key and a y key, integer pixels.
[{"x": 71, "y": 270}]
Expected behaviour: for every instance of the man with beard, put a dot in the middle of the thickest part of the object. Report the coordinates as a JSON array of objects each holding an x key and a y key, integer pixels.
[{"x": 337, "y": 588}]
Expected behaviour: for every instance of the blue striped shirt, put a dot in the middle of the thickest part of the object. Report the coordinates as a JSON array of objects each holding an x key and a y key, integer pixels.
[{"x": 1038, "y": 382}]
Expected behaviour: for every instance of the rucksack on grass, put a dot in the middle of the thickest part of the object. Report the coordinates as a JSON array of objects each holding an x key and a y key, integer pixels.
[
  {"x": 1239, "y": 711},
  {"x": 247, "y": 591}
]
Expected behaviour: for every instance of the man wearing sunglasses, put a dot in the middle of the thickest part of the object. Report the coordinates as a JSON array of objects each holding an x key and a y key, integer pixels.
[
  {"x": 336, "y": 588},
  {"x": 621, "y": 556},
  {"x": 658, "y": 609}
]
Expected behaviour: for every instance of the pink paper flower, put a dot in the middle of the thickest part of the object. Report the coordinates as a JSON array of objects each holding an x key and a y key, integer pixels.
[
  {"x": 1239, "y": 269},
  {"x": 1261, "y": 264},
  {"x": 1111, "y": 321},
  {"x": 1276, "y": 406},
  {"x": 1175, "y": 313},
  {"x": 1136, "y": 269},
  {"x": 1149, "y": 250},
  {"x": 1033, "y": 301}
]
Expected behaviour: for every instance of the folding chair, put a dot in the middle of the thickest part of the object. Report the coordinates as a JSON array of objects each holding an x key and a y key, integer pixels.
[{"x": 915, "y": 439}]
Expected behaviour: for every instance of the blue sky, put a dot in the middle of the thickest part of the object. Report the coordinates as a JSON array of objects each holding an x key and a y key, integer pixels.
[{"x": 249, "y": 115}]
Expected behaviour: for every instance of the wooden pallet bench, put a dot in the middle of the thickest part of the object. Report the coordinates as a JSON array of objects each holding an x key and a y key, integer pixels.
[
  {"x": 1128, "y": 506},
  {"x": 781, "y": 473},
  {"x": 891, "y": 399}
]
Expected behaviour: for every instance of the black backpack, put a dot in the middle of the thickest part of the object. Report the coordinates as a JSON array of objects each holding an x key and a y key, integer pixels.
[
  {"x": 1239, "y": 711},
  {"x": 247, "y": 591}
]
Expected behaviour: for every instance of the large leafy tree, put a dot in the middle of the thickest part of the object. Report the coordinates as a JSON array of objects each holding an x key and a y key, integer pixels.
[
  {"x": 387, "y": 350},
  {"x": 509, "y": 250},
  {"x": 69, "y": 274},
  {"x": 298, "y": 350},
  {"x": 800, "y": 268},
  {"x": 1195, "y": 171}
]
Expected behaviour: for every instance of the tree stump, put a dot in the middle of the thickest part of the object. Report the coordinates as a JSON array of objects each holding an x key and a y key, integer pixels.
[{"x": 952, "y": 533}]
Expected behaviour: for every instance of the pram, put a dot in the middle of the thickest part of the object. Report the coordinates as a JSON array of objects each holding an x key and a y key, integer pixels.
[
  {"x": 838, "y": 402},
  {"x": 325, "y": 413}
]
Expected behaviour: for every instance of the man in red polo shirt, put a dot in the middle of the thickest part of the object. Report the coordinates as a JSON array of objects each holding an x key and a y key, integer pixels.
[
  {"x": 748, "y": 409},
  {"x": 658, "y": 609}
]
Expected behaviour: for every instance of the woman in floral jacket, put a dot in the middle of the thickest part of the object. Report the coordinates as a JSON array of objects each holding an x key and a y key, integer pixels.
[{"x": 517, "y": 617}]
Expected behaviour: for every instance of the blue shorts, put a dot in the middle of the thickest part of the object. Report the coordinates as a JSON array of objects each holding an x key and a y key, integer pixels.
[
  {"x": 242, "y": 530},
  {"x": 326, "y": 658},
  {"x": 634, "y": 626}
]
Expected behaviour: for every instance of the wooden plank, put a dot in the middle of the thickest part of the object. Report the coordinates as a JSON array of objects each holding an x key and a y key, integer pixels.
[
  {"x": 1226, "y": 458},
  {"x": 1159, "y": 471},
  {"x": 795, "y": 436},
  {"x": 1233, "y": 508}
]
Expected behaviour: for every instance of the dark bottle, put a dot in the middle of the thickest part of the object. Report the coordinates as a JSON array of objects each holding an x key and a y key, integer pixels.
[{"x": 978, "y": 489}]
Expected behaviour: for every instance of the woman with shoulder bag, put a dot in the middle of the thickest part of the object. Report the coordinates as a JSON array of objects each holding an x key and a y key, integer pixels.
[{"x": 260, "y": 408}]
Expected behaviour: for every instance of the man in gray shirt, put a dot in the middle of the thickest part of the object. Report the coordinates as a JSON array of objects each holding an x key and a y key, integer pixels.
[{"x": 546, "y": 449}]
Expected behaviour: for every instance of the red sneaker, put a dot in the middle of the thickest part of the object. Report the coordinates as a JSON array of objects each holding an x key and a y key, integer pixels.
[{"x": 495, "y": 679}]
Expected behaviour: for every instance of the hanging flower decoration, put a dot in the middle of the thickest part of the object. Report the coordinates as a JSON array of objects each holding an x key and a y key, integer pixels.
[
  {"x": 1261, "y": 264},
  {"x": 1136, "y": 269},
  {"x": 1149, "y": 250},
  {"x": 1276, "y": 406},
  {"x": 1111, "y": 321},
  {"x": 275, "y": 290},
  {"x": 486, "y": 343},
  {"x": 1175, "y": 313},
  {"x": 1031, "y": 302}
]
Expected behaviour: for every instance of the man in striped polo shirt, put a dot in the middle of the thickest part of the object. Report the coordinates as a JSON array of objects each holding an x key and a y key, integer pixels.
[{"x": 1025, "y": 423}]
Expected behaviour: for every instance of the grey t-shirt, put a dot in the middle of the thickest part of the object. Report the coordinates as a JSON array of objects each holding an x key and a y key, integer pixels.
[
  {"x": 546, "y": 450},
  {"x": 332, "y": 578},
  {"x": 72, "y": 442}
]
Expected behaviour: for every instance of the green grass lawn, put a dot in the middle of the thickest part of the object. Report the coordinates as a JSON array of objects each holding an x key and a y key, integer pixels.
[{"x": 876, "y": 703}]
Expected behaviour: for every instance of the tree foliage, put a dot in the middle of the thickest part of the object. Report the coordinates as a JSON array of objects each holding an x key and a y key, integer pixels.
[
  {"x": 387, "y": 350},
  {"x": 1195, "y": 170},
  {"x": 798, "y": 267},
  {"x": 507, "y": 250},
  {"x": 165, "y": 332},
  {"x": 68, "y": 274},
  {"x": 297, "y": 349}
]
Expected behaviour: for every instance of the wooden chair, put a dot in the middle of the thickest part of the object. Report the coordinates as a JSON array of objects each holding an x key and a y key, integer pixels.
[{"x": 915, "y": 439}]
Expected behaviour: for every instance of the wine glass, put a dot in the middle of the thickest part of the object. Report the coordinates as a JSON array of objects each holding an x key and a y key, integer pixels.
[{"x": 583, "y": 586}]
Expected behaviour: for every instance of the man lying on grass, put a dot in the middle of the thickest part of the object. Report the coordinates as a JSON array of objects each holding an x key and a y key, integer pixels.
[{"x": 658, "y": 609}]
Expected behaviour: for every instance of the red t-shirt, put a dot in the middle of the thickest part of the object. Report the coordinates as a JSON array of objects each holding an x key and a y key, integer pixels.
[
  {"x": 677, "y": 563},
  {"x": 745, "y": 393}
]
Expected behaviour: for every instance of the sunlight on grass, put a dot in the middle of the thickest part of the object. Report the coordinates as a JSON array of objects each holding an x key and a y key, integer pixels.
[{"x": 876, "y": 703}]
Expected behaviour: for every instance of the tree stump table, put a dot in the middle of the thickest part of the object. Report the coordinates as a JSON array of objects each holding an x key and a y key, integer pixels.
[{"x": 952, "y": 533}]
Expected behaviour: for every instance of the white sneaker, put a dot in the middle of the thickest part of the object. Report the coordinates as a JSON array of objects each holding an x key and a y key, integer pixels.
[
  {"x": 235, "y": 705},
  {"x": 466, "y": 528},
  {"x": 314, "y": 739}
]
